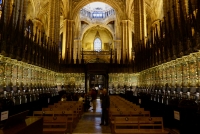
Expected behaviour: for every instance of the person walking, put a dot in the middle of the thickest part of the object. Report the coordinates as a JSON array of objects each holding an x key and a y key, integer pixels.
[
  {"x": 94, "y": 97},
  {"x": 105, "y": 107}
]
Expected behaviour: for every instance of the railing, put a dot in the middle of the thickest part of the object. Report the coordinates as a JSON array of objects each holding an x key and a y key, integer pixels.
[
  {"x": 97, "y": 14},
  {"x": 97, "y": 53}
]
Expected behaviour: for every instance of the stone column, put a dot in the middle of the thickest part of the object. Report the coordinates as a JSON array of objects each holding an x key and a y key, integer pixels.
[
  {"x": 80, "y": 50},
  {"x": 68, "y": 26},
  {"x": 140, "y": 31},
  {"x": 130, "y": 43},
  {"x": 54, "y": 20},
  {"x": 24, "y": 7},
  {"x": 136, "y": 22},
  {"x": 21, "y": 8},
  {"x": 38, "y": 26},
  {"x": 143, "y": 20},
  {"x": 77, "y": 50},
  {"x": 18, "y": 6},
  {"x": 7, "y": 10},
  {"x": 57, "y": 22},
  {"x": 126, "y": 40},
  {"x": 51, "y": 20},
  {"x": 117, "y": 47}
]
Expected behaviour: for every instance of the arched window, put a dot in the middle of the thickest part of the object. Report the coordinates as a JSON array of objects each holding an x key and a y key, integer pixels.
[{"x": 97, "y": 44}]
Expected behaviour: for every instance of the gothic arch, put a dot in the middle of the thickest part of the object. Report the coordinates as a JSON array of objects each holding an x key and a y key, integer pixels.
[{"x": 94, "y": 25}]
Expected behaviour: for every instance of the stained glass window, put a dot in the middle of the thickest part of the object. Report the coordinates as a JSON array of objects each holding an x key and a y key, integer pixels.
[{"x": 97, "y": 44}]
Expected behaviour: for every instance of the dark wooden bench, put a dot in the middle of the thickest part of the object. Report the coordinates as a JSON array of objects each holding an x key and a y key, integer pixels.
[
  {"x": 55, "y": 124},
  {"x": 139, "y": 125},
  {"x": 70, "y": 118}
]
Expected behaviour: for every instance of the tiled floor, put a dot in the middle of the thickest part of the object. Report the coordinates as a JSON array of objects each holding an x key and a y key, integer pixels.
[{"x": 89, "y": 122}]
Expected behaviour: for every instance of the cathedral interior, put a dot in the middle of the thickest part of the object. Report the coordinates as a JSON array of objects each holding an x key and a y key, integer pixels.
[{"x": 145, "y": 50}]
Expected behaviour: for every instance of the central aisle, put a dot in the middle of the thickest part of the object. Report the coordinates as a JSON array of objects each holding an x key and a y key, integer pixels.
[{"x": 89, "y": 122}]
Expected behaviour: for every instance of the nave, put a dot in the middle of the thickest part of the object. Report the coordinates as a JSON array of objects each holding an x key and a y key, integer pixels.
[
  {"x": 85, "y": 122},
  {"x": 89, "y": 122}
]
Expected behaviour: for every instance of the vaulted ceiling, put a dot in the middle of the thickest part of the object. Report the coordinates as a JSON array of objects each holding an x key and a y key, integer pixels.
[{"x": 38, "y": 9}]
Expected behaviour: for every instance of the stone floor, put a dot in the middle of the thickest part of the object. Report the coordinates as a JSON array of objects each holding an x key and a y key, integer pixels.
[{"x": 89, "y": 122}]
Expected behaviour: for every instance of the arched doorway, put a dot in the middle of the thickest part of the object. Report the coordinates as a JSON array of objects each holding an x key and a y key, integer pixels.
[{"x": 96, "y": 76}]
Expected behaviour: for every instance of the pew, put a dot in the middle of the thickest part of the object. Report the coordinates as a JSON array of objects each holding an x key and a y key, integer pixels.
[
  {"x": 139, "y": 125},
  {"x": 55, "y": 124},
  {"x": 70, "y": 117},
  {"x": 117, "y": 114}
]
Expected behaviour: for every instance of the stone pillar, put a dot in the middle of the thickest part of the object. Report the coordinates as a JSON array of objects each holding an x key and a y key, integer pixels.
[
  {"x": 57, "y": 22},
  {"x": 168, "y": 7},
  {"x": 54, "y": 20},
  {"x": 124, "y": 40},
  {"x": 51, "y": 19},
  {"x": 139, "y": 21},
  {"x": 7, "y": 10},
  {"x": 80, "y": 50},
  {"x": 64, "y": 42},
  {"x": 17, "y": 5},
  {"x": 21, "y": 8},
  {"x": 24, "y": 7},
  {"x": 136, "y": 22},
  {"x": 127, "y": 40},
  {"x": 77, "y": 50},
  {"x": 68, "y": 26},
  {"x": 117, "y": 46},
  {"x": 143, "y": 20},
  {"x": 130, "y": 43}
]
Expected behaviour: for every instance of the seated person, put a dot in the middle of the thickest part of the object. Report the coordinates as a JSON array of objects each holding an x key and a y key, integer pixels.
[{"x": 64, "y": 98}]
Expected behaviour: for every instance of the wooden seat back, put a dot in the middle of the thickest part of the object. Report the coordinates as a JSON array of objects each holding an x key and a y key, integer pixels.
[
  {"x": 48, "y": 113},
  {"x": 43, "y": 113},
  {"x": 55, "y": 118},
  {"x": 69, "y": 114},
  {"x": 150, "y": 122},
  {"x": 37, "y": 113},
  {"x": 139, "y": 125},
  {"x": 124, "y": 122},
  {"x": 59, "y": 124},
  {"x": 47, "y": 109},
  {"x": 141, "y": 113}
]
